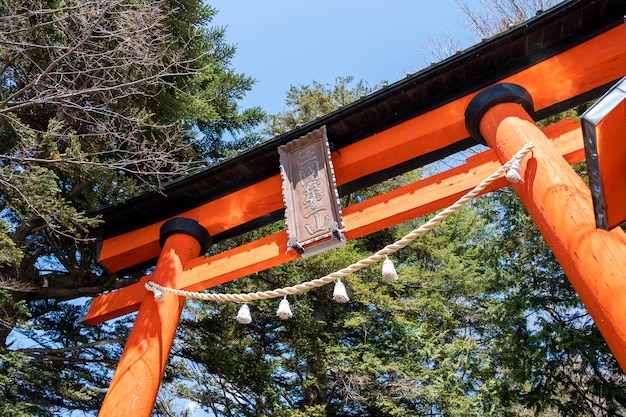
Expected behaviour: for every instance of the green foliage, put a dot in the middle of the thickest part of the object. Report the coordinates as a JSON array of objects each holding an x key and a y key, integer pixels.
[
  {"x": 98, "y": 101},
  {"x": 403, "y": 344},
  {"x": 556, "y": 360},
  {"x": 45, "y": 392},
  {"x": 311, "y": 101},
  {"x": 481, "y": 322},
  {"x": 34, "y": 193},
  {"x": 11, "y": 405},
  {"x": 119, "y": 110},
  {"x": 56, "y": 371},
  {"x": 123, "y": 95},
  {"x": 10, "y": 254}
]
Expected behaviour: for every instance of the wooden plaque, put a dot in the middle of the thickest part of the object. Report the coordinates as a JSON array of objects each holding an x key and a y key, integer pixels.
[
  {"x": 604, "y": 132},
  {"x": 312, "y": 211}
]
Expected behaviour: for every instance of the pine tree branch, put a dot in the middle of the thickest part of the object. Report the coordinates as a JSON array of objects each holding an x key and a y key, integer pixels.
[{"x": 58, "y": 351}]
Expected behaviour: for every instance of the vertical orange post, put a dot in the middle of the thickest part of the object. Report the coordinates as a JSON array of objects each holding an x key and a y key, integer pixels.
[
  {"x": 138, "y": 376},
  {"x": 560, "y": 203}
]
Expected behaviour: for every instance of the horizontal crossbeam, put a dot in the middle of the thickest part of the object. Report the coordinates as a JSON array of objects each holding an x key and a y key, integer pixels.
[
  {"x": 570, "y": 74},
  {"x": 413, "y": 200}
]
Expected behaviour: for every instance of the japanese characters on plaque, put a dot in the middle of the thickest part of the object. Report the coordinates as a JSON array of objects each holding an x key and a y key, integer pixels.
[{"x": 312, "y": 211}]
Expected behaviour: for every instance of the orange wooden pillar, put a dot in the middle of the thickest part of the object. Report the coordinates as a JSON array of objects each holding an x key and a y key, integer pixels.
[
  {"x": 561, "y": 206},
  {"x": 138, "y": 376}
]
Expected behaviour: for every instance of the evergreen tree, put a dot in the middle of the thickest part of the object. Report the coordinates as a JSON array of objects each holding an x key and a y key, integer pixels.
[
  {"x": 307, "y": 102},
  {"x": 398, "y": 348},
  {"x": 553, "y": 358},
  {"x": 482, "y": 321},
  {"x": 98, "y": 100}
]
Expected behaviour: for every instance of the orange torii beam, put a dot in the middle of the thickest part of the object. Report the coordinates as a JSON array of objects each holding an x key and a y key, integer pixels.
[
  {"x": 560, "y": 204},
  {"x": 552, "y": 81},
  {"x": 377, "y": 213}
]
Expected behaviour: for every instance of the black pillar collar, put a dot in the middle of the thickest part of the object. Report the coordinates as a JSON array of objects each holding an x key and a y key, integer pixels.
[
  {"x": 183, "y": 225},
  {"x": 486, "y": 99}
]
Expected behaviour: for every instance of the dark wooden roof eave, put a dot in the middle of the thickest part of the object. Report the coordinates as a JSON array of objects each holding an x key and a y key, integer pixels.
[{"x": 548, "y": 34}]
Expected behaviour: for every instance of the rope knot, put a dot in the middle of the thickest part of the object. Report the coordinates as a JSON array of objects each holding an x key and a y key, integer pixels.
[
  {"x": 513, "y": 174},
  {"x": 156, "y": 289}
]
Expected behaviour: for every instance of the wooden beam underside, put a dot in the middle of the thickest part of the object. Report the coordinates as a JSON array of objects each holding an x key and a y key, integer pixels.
[
  {"x": 380, "y": 212},
  {"x": 574, "y": 72}
]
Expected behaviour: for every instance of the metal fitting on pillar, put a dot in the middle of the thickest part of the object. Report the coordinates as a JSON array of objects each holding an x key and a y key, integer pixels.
[{"x": 492, "y": 96}]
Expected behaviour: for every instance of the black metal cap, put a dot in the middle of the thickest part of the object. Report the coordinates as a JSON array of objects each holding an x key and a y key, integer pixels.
[
  {"x": 183, "y": 225},
  {"x": 486, "y": 99}
]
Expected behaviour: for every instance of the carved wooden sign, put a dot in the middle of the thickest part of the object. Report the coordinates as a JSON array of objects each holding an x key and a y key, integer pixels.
[{"x": 313, "y": 214}]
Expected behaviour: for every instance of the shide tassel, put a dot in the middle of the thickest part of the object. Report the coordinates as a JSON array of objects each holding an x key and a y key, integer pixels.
[
  {"x": 389, "y": 271},
  {"x": 513, "y": 174},
  {"x": 243, "y": 316},
  {"x": 340, "y": 294},
  {"x": 284, "y": 311}
]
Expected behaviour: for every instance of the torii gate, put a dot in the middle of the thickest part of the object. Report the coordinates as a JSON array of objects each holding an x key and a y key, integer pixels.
[{"x": 570, "y": 54}]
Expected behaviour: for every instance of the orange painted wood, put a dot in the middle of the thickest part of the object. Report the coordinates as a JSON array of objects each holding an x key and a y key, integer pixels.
[
  {"x": 561, "y": 206},
  {"x": 117, "y": 303},
  {"x": 611, "y": 144},
  {"x": 369, "y": 216},
  {"x": 139, "y": 372},
  {"x": 439, "y": 191},
  {"x": 571, "y": 73},
  {"x": 203, "y": 273},
  {"x": 225, "y": 213}
]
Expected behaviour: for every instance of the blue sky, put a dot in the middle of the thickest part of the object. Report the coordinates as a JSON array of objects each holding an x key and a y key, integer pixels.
[{"x": 282, "y": 43}]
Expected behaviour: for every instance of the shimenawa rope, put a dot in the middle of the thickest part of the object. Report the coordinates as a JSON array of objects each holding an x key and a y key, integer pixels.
[{"x": 513, "y": 164}]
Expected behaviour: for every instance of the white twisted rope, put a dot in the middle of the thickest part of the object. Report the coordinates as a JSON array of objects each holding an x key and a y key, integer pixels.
[{"x": 410, "y": 237}]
